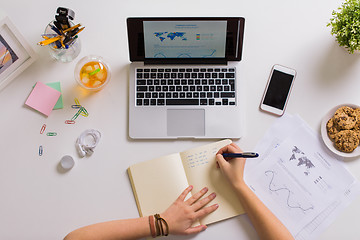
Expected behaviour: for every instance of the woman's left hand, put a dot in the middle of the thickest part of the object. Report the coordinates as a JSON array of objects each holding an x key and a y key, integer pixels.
[{"x": 181, "y": 215}]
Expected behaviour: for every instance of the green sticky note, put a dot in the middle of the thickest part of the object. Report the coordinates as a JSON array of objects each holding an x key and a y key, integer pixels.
[{"x": 56, "y": 85}]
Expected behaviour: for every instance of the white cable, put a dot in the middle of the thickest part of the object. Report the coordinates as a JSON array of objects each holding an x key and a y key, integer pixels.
[{"x": 84, "y": 148}]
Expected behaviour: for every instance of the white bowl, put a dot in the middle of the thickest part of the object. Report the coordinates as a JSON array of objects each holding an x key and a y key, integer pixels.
[{"x": 330, "y": 144}]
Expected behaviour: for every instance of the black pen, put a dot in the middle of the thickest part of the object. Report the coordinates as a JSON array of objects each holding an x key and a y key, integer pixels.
[{"x": 241, "y": 155}]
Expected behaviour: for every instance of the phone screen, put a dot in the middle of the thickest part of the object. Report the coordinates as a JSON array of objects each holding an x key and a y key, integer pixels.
[{"x": 278, "y": 89}]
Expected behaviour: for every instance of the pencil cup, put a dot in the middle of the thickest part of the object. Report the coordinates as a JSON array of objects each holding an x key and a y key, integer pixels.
[
  {"x": 62, "y": 53},
  {"x": 92, "y": 73}
]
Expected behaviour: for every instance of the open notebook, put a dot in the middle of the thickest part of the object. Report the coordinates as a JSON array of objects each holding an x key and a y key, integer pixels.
[{"x": 157, "y": 183}]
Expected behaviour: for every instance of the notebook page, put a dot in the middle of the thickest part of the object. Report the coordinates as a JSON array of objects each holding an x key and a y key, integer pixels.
[
  {"x": 157, "y": 183},
  {"x": 201, "y": 171}
]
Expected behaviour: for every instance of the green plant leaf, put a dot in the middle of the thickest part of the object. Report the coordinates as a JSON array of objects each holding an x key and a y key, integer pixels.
[{"x": 345, "y": 25}]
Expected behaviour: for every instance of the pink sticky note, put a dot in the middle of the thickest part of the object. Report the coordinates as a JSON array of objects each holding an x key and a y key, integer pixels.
[{"x": 43, "y": 98}]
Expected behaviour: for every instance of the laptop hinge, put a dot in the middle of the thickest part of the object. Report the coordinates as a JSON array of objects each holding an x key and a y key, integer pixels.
[{"x": 178, "y": 61}]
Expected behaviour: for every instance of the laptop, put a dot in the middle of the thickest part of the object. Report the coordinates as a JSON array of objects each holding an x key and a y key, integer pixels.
[{"x": 183, "y": 79}]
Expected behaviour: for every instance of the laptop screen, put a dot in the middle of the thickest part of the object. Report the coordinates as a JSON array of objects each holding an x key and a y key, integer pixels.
[{"x": 185, "y": 39}]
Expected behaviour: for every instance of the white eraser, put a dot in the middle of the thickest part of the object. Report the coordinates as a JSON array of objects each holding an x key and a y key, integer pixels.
[{"x": 67, "y": 162}]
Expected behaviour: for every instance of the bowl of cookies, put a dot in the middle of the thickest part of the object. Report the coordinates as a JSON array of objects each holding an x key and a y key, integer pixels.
[{"x": 340, "y": 130}]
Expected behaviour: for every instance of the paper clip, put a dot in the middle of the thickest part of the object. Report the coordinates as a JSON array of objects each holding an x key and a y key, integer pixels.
[
  {"x": 84, "y": 112},
  {"x": 76, "y": 106},
  {"x": 77, "y": 102},
  {"x": 70, "y": 122},
  {"x": 76, "y": 114},
  {"x": 51, "y": 134},
  {"x": 42, "y": 129},
  {"x": 40, "y": 150}
]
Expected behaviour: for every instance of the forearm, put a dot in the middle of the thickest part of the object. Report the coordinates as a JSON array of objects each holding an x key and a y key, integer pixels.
[
  {"x": 177, "y": 219},
  {"x": 118, "y": 229},
  {"x": 267, "y": 225}
]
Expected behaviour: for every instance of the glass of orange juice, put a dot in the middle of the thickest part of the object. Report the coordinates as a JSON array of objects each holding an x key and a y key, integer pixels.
[{"x": 92, "y": 73}]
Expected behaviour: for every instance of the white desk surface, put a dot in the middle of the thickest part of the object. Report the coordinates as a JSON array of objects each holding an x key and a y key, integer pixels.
[{"x": 39, "y": 201}]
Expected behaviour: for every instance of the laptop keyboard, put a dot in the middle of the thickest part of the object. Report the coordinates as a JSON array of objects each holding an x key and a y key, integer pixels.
[{"x": 185, "y": 86}]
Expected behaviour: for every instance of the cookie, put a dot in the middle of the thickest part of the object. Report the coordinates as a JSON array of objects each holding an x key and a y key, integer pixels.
[
  {"x": 357, "y": 124},
  {"x": 346, "y": 140},
  {"x": 332, "y": 129},
  {"x": 345, "y": 118}
]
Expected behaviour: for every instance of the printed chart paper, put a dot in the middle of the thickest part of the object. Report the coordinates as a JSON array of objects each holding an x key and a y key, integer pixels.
[{"x": 304, "y": 184}]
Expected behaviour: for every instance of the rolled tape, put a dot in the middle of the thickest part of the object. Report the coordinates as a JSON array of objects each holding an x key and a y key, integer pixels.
[{"x": 67, "y": 162}]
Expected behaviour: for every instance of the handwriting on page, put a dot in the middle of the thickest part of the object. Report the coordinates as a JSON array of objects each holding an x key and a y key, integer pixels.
[{"x": 201, "y": 158}]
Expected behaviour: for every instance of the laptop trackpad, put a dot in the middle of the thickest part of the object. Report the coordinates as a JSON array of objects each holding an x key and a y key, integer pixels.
[{"x": 184, "y": 122}]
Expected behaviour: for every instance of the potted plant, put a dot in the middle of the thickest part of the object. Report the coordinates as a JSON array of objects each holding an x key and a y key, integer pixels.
[{"x": 346, "y": 25}]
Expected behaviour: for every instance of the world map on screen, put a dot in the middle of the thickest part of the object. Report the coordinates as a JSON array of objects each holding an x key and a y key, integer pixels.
[{"x": 170, "y": 35}]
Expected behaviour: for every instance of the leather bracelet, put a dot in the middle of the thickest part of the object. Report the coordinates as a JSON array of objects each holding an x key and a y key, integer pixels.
[
  {"x": 158, "y": 231},
  {"x": 159, "y": 222},
  {"x": 152, "y": 226}
]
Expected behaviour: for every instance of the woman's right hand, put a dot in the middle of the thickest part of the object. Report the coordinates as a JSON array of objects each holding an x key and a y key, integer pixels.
[{"x": 233, "y": 169}]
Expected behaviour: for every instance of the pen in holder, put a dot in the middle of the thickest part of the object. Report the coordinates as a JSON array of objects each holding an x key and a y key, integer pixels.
[{"x": 65, "y": 50}]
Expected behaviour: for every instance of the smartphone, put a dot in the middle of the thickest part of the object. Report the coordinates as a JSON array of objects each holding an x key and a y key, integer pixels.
[{"x": 278, "y": 89}]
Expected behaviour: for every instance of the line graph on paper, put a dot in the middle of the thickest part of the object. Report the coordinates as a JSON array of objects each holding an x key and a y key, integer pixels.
[{"x": 287, "y": 194}]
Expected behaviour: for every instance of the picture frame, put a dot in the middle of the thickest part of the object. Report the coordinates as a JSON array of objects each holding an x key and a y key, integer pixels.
[{"x": 15, "y": 52}]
